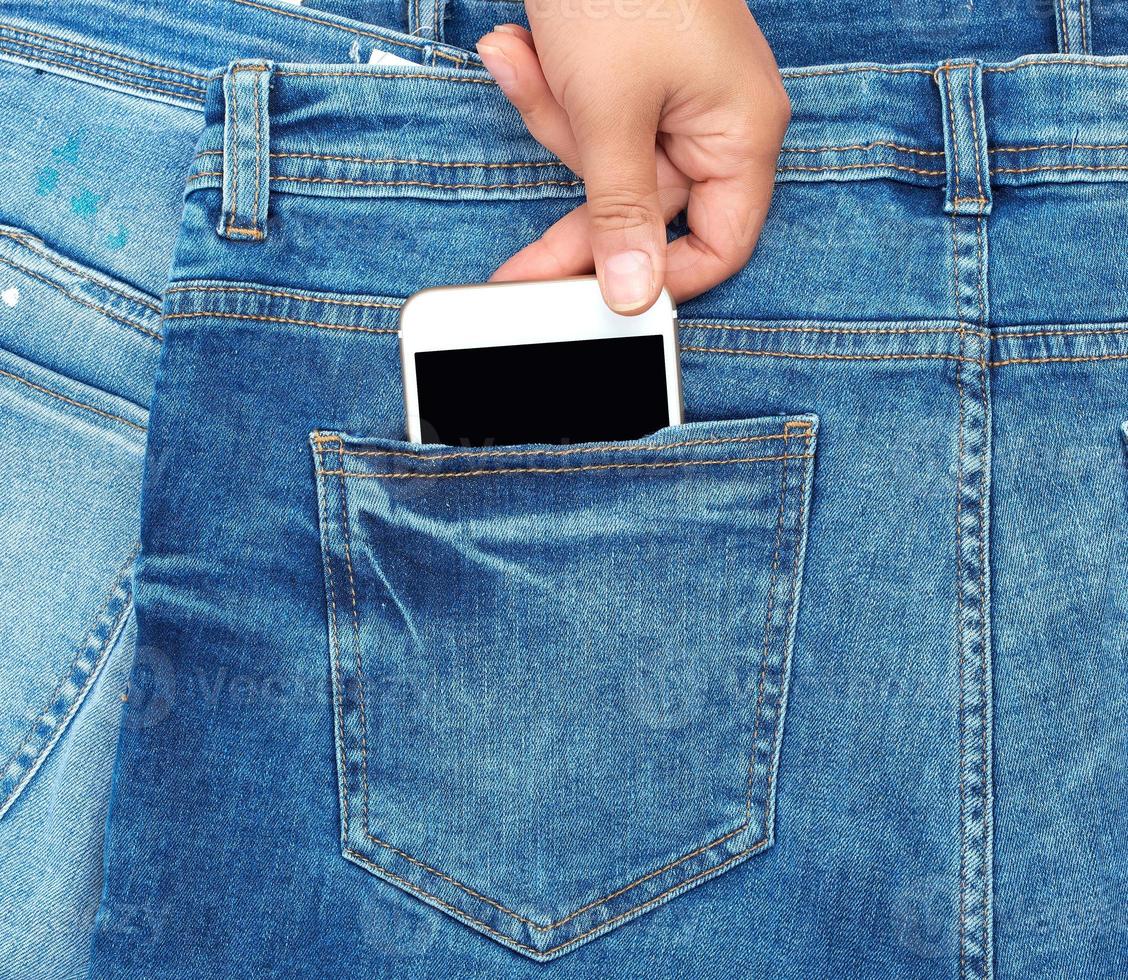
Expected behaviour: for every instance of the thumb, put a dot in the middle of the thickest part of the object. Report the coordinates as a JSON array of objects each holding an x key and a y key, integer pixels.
[{"x": 626, "y": 223}]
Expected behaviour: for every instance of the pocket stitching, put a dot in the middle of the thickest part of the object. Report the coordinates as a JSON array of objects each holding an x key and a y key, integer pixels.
[{"x": 792, "y": 429}]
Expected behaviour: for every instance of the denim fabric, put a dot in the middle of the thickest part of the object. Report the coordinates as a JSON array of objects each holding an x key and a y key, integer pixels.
[
  {"x": 415, "y": 712},
  {"x": 427, "y": 712}
]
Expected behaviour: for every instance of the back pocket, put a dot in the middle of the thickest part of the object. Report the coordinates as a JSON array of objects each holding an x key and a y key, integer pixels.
[{"x": 560, "y": 673}]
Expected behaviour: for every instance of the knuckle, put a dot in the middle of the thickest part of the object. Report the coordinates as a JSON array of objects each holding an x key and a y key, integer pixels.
[{"x": 618, "y": 210}]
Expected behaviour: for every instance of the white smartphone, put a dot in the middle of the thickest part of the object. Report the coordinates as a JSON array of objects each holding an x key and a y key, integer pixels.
[{"x": 501, "y": 364}]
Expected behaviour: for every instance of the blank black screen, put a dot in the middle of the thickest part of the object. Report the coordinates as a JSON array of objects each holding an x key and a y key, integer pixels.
[{"x": 575, "y": 391}]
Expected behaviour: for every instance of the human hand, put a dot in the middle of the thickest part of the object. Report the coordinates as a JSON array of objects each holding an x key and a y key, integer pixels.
[{"x": 660, "y": 107}]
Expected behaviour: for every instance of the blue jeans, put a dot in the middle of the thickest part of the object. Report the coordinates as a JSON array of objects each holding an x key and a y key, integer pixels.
[{"x": 414, "y": 711}]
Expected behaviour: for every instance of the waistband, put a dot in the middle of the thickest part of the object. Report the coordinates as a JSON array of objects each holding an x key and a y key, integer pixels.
[
  {"x": 312, "y": 120},
  {"x": 448, "y": 133}
]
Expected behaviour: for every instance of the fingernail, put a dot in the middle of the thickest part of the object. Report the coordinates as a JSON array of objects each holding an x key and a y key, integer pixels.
[
  {"x": 498, "y": 65},
  {"x": 627, "y": 278},
  {"x": 512, "y": 29}
]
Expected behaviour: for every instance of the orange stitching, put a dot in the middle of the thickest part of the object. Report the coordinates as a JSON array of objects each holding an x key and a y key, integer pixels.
[
  {"x": 983, "y": 611},
  {"x": 30, "y": 241},
  {"x": 356, "y": 635},
  {"x": 1064, "y": 26},
  {"x": 959, "y": 607},
  {"x": 335, "y": 653},
  {"x": 1058, "y": 360},
  {"x": 422, "y": 183},
  {"x": 386, "y": 160},
  {"x": 21, "y": 746},
  {"x": 646, "y": 447},
  {"x": 273, "y": 319},
  {"x": 39, "y": 59},
  {"x": 387, "y": 74},
  {"x": 753, "y": 751},
  {"x": 862, "y": 146},
  {"x": 1083, "y": 62},
  {"x": 70, "y": 401},
  {"x": 863, "y": 166},
  {"x": 1060, "y": 333},
  {"x": 328, "y": 23},
  {"x": 1060, "y": 146},
  {"x": 975, "y": 136},
  {"x": 969, "y": 200},
  {"x": 411, "y": 183},
  {"x": 561, "y": 469},
  {"x": 81, "y": 301},
  {"x": 789, "y": 73},
  {"x": 1030, "y": 170},
  {"x": 102, "y": 51},
  {"x": 828, "y": 357},
  {"x": 99, "y": 64},
  {"x": 864, "y": 331},
  {"x": 955, "y": 135},
  {"x": 269, "y": 292},
  {"x": 250, "y": 232},
  {"x": 258, "y": 149},
  {"x": 234, "y": 209},
  {"x": 466, "y": 917}
]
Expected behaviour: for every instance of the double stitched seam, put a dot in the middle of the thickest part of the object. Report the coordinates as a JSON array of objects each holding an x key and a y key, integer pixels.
[
  {"x": 254, "y": 230},
  {"x": 981, "y": 200},
  {"x": 955, "y": 136},
  {"x": 561, "y": 469},
  {"x": 118, "y": 579},
  {"x": 1084, "y": 31},
  {"x": 335, "y": 651},
  {"x": 1059, "y": 360},
  {"x": 71, "y": 401},
  {"x": 862, "y": 166},
  {"x": 274, "y": 319},
  {"x": 827, "y": 357},
  {"x": 195, "y": 89},
  {"x": 408, "y": 183},
  {"x": 356, "y": 639},
  {"x": 876, "y": 144},
  {"x": 862, "y": 331},
  {"x": 803, "y": 432},
  {"x": 360, "y": 304},
  {"x": 1064, "y": 24},
  {"x": 1051, "y": 169},
  {"x": 1051, "y": 62},
  {"x": 62, "y": 42},
  {"x": 1059, "y": 146},
  {"x": 984, "y": 666},
  {"x": 386, "y": 160},
  {"x": 959, "y": 610},
  {"x": 81, "y": 300},
  {"x": 457, "y": 79},
  {"x": 427, "y": 457},
  {"x": 40, "y": 59},
  {"x": 30, "y": 243}
]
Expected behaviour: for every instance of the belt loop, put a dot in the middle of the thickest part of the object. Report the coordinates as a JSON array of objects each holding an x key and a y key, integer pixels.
[
  {"x": 1074, "y": 26},
  {"x": 968, "y": 188},
  {"x": 246, "y": 151},
  {"x": 425, "y": 18}
]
